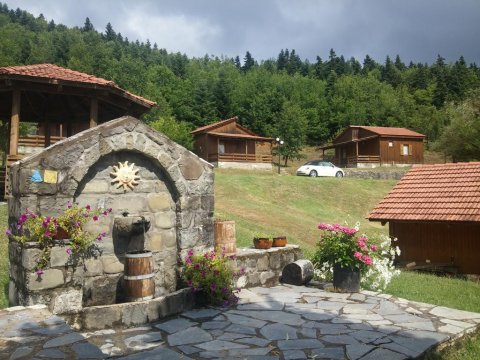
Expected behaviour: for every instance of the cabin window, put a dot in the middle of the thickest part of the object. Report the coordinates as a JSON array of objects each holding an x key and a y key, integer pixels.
[
  {"x": 406, "y": 149},
  {"x": 221, "y": 148}
]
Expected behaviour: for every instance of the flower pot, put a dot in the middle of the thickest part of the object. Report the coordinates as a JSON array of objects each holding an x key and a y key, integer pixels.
[
  {"x": 61, "y": 234},
  {"x": 346, "y": 279},
  {"x": 279, "y": 241},
  {"x": 262, "y": 243},
  {"x": 201, "y": 298}
]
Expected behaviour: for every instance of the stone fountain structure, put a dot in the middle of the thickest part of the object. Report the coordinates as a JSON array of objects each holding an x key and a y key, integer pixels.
[{"x": 154, "y": 186}]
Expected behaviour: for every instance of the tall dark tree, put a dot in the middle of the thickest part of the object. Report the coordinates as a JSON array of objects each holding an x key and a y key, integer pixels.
[
  {"x": 238, "y": 65},
  {"x": 248, "y": 62},
  {"x": 109, "y": 33},
  {"x": 88, "y": 26},
  {"x": 440, "y": 93},
  {"x": 282, "y": 60},
  {"x": 369, "y": 64}
]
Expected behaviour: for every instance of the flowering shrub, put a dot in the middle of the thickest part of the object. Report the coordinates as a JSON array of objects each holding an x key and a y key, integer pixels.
[
  {"x": 339, "y": 245},
  {"x": 69, "y": 225},
  {"x": 212, "y": 274}
]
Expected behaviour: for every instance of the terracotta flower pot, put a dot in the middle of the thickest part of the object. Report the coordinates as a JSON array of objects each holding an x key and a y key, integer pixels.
[
  {"x": 262, "y": 243},
  {"x": 279, "y": 241},
  {"x": 61, "y": 234}
]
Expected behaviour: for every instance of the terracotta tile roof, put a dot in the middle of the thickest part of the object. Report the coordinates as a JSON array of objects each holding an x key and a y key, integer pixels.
[
  {"x": 53, "y": 74},
  {"x": 444, "y": 192},
  {"x": 390, "y": 131},
  {"x": 214, "y": 125}
]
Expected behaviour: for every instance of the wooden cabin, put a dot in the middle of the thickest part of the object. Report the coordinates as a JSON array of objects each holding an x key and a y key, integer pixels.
[
  {"x": 228, "y": 144},
  {"x": 370, "y": 146},
  {"x": 434, "y": 212},
  {"x": 57, "y": 103}
]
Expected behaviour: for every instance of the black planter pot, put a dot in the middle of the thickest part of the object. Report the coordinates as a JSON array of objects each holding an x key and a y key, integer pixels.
[
  {"x": 346, "y": 279},
  {"x": 201, "y": 299}
]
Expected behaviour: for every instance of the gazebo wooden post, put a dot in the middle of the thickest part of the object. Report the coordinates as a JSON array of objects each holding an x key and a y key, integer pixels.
[
  {"x": 93, "y": 112},
  {"x": 15, "y": 122}
]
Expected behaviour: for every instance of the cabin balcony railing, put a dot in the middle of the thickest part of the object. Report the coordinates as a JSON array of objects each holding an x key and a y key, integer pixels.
[
  {"x": 353, "y": 161},
  {"x": 237, "y": 157},
  {"x": 37, "y": 140}
]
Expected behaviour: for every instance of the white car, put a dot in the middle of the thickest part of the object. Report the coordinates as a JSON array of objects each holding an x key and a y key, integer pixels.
[{"x": 316, "y": 168}]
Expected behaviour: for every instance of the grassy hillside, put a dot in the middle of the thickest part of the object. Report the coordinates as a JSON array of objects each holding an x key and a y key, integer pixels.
[{"x": 294, "y": 206}]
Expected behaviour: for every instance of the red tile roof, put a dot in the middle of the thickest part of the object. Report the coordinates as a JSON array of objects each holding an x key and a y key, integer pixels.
[
  {"x": 444, "y": 192},
  {"x": 390, "y": 131},
  {"x": 56, "y": 74}
]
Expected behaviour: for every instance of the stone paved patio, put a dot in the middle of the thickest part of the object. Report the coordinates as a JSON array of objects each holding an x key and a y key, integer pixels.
[{"x": 284, "y": 322}]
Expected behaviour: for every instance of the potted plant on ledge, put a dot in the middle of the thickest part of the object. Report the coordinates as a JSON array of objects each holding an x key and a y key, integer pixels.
[
  {"x": 262, "y": 241},
  {"x": 348, "y": 254}
]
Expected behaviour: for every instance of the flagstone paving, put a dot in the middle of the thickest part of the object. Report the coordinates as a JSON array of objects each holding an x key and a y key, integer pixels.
[{"x": 284, "y": 322}]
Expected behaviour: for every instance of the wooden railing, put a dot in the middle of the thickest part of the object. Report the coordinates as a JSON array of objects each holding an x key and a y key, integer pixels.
[
  {"x": 37, "y": 140},
  {"x": 259, "y": 158},
  {"x": 365, "y": 159}
]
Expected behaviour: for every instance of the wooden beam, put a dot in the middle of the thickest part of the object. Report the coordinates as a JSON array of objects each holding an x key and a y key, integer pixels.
[
  {"x": 93, "y": 112},
  {"x": 15, "y": 122}
]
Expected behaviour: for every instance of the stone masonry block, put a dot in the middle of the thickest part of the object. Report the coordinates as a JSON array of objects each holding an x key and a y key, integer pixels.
[
  {"x": 67, "y": 301},
  {"x": 165, "y": 220},
  {"x": 111, "y": 264},
  {"x": 58, "y": 256},
  {"x": 191, "y": 167},
  {"x": 30, "y": 258},
  {"x": 101, "y": 317},
  {"x": 96, "y": 186},
  {"x": 262, "y": 263},
  {"x": 275, "y": 261},
  {"x": 93, "y": 267},
  {"x": 51, "y": 278},
  {"x": 160, "y": 202}
]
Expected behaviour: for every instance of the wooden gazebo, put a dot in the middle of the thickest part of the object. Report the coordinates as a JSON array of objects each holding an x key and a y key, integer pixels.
[{"x": 60, "y": 102}]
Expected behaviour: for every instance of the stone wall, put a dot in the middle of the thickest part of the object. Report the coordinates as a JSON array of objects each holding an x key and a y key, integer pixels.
[
  {"x": 381, "y": 174},
  {"x": 175, "y": 193},
  {"x": 264, "y": 267}
]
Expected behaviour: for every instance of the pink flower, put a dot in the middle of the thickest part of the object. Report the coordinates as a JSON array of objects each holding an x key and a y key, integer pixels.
[
  {"x": 69, "y": 205},
  {"x": 69, "y": 251},
  {"x": 367, "y": 259},
  {"x": 95, "y": 218},
  {"x": 8, "y": 232},
  {"x": 357, "y": 255},
  {"x": 88, "y": 207},
  {"x": 188, "y": 261},
  {"x": 39, "y": 272},
  {"x": 190, "y": 252},
  {"x": 374, "y": 247}
]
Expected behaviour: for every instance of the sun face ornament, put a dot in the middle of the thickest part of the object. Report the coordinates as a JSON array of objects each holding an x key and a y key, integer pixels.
[{"x": 125, "y": 175}]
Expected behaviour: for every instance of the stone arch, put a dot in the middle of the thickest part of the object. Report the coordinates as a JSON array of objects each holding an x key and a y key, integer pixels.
[{"x": 79, "y": 159}]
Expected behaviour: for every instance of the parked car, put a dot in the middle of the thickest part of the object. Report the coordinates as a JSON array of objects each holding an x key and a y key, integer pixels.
[{"x": 316, "y": 168}]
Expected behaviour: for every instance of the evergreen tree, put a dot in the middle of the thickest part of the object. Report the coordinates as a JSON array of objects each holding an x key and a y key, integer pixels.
[
  {"x": 368, "y": 64},
  {"x": 238, "y": 65},
  {"x": 109, "y": 33},
  {"x": 281, "y": 60},
  {"x": 88, "y": 26},
  {"x": 248, "y": 62}
]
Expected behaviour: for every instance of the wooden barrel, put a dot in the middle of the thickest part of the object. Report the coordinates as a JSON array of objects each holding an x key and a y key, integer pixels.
[
  {"x": 139, "y": 281},
  {"x": 225, "y": 237}
]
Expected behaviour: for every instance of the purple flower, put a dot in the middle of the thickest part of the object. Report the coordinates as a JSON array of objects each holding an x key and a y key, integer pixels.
[
  {"x": 39, "y": 272},
  {"x": 69, "y": 205},
  {"x": 88, "y": 207},
  {"x": 46, "y": 221},
  {"x": 190, "y": 252},
  {"x": 8, "y": 232},
  {"x": 95, "y": 217},
  {"x": 103, "y": 234},
  {"x": 69, "y": 251},
  {"x": 213, "y": 286},
  {"x": 188, "y": 261},
  {"x": 109, "y": 210},
  {"x": 47, "y": 233}
]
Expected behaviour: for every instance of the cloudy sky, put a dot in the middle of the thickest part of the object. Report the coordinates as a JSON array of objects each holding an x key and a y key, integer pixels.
[{"x": 417, "y": 30}]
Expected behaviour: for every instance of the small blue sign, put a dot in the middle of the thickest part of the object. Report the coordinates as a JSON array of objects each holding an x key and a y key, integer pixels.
[{"x": 36, "y": 177}]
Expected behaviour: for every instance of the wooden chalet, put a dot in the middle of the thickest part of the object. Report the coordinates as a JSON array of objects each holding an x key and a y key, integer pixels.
[
  {"x": 228, "y": 144},
  {"x": 58, "y": 103},
  {"x": 434, "y": 212},
  {"x": 364, "y": 146}
]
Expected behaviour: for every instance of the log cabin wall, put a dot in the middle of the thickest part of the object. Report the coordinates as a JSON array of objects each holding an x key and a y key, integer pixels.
[
  {"x": 440, "y": 242},
  {"x": 392, "y": 152}
]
